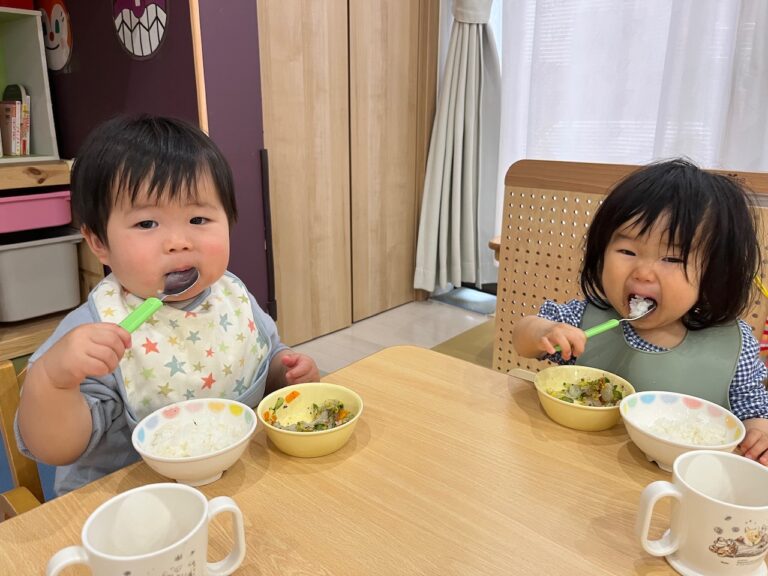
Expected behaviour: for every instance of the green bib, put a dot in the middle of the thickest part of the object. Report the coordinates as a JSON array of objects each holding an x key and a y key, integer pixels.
[{"x": 702, "y": 365}]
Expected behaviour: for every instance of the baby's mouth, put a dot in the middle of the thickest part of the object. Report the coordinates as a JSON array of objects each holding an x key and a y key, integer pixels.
[{"x": 179, "y": 281}]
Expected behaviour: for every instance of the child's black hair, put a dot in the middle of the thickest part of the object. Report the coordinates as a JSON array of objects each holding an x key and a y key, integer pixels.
[
  {"x": 126, "y": 153},
  {"x": 708, "y": 213}
]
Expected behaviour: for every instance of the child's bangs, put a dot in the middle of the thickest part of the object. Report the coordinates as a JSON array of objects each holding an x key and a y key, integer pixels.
[
  {"x": 156, "y": 182},
  {"x": 687, "y": 224}
]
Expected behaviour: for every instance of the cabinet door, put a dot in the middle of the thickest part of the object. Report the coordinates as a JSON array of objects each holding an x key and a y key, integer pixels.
[
  {"x": 386, "y": 180},
  {"x": 304, "y": 72}
]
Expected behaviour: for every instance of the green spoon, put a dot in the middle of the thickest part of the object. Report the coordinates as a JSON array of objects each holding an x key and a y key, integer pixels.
[
  {"x": 176, "y": 283},
  {"x": 612, "y": 323}
]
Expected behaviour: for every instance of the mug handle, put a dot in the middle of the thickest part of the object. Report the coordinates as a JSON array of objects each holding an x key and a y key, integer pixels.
[
  {"x": 64, "y": 558},
  {"x": 652, "y": 493},
  {"x": 235, "y": 558}
]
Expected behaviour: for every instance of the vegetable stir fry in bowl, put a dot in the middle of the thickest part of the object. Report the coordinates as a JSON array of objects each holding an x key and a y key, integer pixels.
[
  {"x": 329, "y": 414},
  {"x": 580, "y": 397},
  {"x": 599, "y": 391},
  {"x": 312, "y": 419}
]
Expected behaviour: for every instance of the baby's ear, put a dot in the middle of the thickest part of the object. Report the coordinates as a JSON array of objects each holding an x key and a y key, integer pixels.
[{"x": 98, "y": 247}]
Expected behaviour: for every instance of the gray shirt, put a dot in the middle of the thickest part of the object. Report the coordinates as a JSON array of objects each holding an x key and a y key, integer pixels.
[{"x": 110, "y": 447}]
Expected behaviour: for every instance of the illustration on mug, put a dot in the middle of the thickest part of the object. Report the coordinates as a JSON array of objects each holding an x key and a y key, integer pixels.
[{"x": 750, "y": 540}]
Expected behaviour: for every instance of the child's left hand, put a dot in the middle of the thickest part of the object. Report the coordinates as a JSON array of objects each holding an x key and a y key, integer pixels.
[
  {"x": 755, "y": 443},
  {"x": 299, "y": 368}
]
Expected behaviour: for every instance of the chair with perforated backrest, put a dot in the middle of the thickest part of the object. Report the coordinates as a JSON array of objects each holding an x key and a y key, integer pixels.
[
  {"x": 548, "y": 206},
  {"x": 27, "y": 492}
]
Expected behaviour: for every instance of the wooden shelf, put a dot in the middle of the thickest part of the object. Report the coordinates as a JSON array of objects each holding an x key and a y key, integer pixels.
[
  {"x": 22, "y": 61},
  {"x": 22, "y": 338},
  {"x": 34, "y": 174}
]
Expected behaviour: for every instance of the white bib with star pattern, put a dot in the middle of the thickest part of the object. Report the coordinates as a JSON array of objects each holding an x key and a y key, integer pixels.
[{"x": 213, "y": 351}]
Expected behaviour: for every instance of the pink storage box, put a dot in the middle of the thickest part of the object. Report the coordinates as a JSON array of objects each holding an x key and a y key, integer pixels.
[{"x": 34, "y": 211}]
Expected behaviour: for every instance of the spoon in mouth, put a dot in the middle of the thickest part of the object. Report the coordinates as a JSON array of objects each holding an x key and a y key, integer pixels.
[
  {"x": 640, "y": 311},
  {"x": 176, "y": 284}
]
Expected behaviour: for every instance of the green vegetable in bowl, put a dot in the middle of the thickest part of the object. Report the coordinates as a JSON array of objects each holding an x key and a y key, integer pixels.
[
  {"x": 598, "y": 392},
  {"x": 324, "y": 417}
]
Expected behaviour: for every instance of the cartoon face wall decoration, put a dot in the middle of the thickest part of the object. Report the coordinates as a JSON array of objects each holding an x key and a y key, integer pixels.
[
  {"x": 140, "y": 25},
  {"x": 57, "y": 34}
]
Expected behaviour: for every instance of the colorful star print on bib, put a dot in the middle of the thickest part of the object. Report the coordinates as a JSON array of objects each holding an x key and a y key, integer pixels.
[{"x": 213, "y": 351}]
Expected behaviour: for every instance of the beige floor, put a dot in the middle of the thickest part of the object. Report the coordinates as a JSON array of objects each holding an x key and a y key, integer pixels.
[{"x": 420, "y": 323}]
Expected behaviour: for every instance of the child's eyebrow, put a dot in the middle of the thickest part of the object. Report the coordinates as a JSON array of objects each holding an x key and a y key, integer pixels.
[
  {"x": 143, "y": 205},
  {"x": 624, "y": 236},
  {"x": 627, "y": 236}
]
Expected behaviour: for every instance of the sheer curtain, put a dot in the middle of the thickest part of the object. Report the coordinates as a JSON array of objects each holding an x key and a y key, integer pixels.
[
  {"x": 631, "y": 81},
  {"x": 457, "y": 211}
]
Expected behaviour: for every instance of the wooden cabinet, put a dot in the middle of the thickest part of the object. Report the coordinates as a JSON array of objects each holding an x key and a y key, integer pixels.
[
  {"x": 348, "y": 89},
  {"x": 304, "y": 71}
]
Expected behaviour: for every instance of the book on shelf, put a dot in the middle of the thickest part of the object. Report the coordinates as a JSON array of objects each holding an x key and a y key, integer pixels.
[
  {"x": 10, "y": 127},
  {"x": 15, "y": 121}
]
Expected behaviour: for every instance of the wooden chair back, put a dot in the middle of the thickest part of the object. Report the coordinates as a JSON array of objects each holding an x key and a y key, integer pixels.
[
  {"x": 548, "y": 206},
  {"x": 27, "y": 492}
]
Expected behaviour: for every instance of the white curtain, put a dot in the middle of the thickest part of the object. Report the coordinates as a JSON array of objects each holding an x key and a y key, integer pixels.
[
  {"x": 457, "y": 213},
  {"x": 631, "y": 81}
]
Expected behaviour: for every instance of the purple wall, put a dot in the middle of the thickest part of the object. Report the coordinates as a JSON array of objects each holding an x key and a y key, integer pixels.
[
  {"x": 102, "y": 79},
  {"x": 233, "y": 92}
]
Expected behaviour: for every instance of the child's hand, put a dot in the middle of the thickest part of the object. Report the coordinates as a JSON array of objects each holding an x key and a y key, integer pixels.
[
  {"x": 571, "y": 340},
  {"x": 299, "y": 368},
  {"x": 88, "y": 350},
  {"x": 755, "y": 443}
]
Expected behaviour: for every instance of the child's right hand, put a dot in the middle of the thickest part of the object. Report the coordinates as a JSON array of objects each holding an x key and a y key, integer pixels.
[
  {"x": 88, "y": 350},
  {"x": 571, "y": 340}
]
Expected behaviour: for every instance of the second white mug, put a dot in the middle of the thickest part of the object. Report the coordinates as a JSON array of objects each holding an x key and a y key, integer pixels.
[{"x": 719, "y": 520}]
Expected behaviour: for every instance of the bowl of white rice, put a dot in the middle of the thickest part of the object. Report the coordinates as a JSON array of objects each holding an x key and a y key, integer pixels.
[
  {"x": 666, "y": 424},
  {"x": 195, "y": 441}
]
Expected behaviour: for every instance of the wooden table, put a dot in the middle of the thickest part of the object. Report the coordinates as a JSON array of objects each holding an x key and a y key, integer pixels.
[{"x": 453, "y": 469}]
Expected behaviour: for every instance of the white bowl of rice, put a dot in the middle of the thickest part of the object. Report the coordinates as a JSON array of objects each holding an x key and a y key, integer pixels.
[
  {"x": 195, "y": 441},
  {"x": 666, "y": 424}
]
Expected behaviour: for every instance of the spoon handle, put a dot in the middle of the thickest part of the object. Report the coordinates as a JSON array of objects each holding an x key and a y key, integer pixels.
[
  {"x": 599, "y": 329},
  {"x": 141, "y": 314}
]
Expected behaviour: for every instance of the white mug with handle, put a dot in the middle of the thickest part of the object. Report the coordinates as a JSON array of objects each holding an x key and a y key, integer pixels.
[
  {"x": 719, "y": 521},
  {"x": 154, "y": 529}
]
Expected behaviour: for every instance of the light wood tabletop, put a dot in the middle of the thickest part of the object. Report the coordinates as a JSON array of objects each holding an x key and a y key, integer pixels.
[{"x": 452, "y": 469}]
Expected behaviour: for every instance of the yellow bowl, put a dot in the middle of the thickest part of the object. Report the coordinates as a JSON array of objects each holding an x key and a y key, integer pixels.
[
  {"x": 309, "y": 444},
  {"x": 577, "y": 416}
]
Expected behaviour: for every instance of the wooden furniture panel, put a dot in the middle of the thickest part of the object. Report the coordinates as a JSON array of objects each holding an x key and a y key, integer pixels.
[
  {"x": 548, "y": 206},
  {"x": 27, "y": 491},
  {"x": 426, "y": 96},
  {"x": 384, "y": 66},
  {"x": 34, "y": 174},
  {"x": 304, "y": 69}
]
